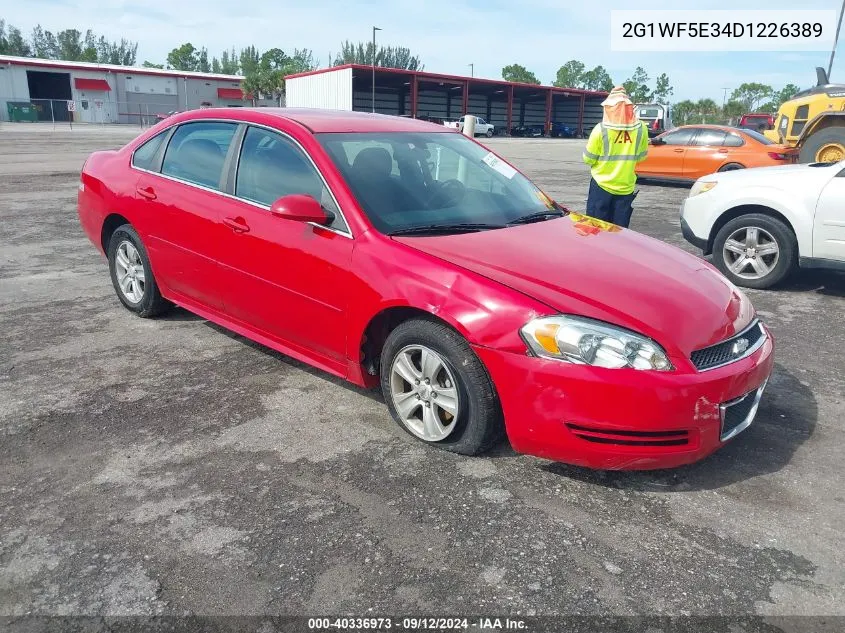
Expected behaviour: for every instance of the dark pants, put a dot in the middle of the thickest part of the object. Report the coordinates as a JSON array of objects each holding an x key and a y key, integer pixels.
[{"x": 609, "y": 207}]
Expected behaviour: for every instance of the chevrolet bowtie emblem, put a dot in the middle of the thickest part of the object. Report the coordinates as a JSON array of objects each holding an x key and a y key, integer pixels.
[{"x": 739, "y": 347}]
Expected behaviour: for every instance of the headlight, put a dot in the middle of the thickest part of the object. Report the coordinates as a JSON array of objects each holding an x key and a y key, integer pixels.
[
  {"x": 587, "y": 342},
  {"x": 701, "y": 187}
]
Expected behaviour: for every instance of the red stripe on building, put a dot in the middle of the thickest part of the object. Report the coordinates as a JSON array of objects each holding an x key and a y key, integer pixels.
[{"x": 91, "y": 84}]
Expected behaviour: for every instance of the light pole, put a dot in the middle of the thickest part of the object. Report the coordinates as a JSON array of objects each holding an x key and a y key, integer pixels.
[
  {"x": 375, "y": 28},
  {"x": 836, "y": 39},
  {"x": 472, "y": 70}
]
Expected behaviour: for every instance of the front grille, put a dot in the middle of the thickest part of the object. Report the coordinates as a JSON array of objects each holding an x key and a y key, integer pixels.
[
  {"x": 737, "y": 415},
  {"x": 730, "y": 350},
  {"x": 629, "y": 438}
]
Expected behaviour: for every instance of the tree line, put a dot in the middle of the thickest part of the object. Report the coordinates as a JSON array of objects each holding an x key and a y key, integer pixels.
[
  {"x": 748, "y": 97},
  {"x": 67, "y": 45}
]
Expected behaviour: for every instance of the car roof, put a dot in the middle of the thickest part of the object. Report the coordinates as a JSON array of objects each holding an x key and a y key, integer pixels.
[{"x": 319, "y": 120}]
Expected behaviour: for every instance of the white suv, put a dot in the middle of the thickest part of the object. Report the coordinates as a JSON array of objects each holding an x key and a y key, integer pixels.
[{"x": 761, "y": 224}]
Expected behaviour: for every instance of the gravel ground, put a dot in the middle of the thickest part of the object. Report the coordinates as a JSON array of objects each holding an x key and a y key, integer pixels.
[{"x": 169, "y": 467}]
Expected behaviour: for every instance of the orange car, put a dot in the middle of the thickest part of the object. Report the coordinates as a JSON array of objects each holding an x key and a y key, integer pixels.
[{"x": 691, "y": 151}]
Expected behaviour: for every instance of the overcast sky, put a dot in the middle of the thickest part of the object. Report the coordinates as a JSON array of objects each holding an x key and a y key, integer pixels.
[{"x": 447, "y": 34}]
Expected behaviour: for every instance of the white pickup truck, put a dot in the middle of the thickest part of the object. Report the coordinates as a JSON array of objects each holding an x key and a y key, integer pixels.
[{"x": 482, "y": 128}]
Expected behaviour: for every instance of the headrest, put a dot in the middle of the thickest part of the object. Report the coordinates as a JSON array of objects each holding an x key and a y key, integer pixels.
[{"x": 373, "y": 160}]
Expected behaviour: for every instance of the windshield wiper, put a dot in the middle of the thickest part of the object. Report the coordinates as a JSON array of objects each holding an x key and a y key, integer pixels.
[
  {"x": 446, "y": 228},
  {"x": 536, "y": 217}
]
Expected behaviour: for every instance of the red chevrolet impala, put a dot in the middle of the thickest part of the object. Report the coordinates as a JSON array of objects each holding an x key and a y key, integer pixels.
[{"x": 392, "y": 251}]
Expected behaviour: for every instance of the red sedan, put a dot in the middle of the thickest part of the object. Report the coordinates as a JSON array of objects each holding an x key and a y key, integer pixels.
[{"x": 398, "y": 253}]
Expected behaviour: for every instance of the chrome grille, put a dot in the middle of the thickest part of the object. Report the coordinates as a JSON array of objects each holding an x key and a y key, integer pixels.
[{"x": 733, "y": 349}]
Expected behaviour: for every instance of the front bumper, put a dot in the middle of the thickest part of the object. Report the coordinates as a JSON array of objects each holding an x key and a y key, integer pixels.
[
  {"x": 613, "y": 419},
  {"x": 692, "y": 238}
]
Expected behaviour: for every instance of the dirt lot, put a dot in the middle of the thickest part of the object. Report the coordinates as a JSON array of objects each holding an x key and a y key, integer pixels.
[{"x": 168, "y": 466}]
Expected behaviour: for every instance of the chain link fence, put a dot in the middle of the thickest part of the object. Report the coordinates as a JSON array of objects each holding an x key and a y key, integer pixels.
[{"x": 93, "y": 111}]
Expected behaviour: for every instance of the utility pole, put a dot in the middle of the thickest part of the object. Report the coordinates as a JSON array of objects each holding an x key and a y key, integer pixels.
[
  {"x": 835, "y": 40},
  {"x": 472, "y": 70},
  {"x": 375, "y": 28}
]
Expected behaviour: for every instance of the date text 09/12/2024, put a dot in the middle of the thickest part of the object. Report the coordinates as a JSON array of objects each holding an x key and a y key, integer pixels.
[{"x": 416, "y": 624}]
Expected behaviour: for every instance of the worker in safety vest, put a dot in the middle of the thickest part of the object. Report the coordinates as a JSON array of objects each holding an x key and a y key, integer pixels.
[{"x": 615, "y": 147}]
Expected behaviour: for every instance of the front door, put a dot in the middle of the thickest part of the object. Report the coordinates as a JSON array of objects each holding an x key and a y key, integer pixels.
[
  {"x": 287, "y": 279},
  {"x": 666, "y": 158},
  {"x": 829, "y": 225}
]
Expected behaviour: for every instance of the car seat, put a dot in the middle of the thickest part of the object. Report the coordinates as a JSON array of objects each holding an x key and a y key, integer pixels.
[{"x": 200, "y": 160}]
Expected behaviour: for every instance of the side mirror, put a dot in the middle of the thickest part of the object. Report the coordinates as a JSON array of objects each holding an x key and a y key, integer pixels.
[
  {"x": 300, "y": 208},
  {"x": 656, "y": 141}
]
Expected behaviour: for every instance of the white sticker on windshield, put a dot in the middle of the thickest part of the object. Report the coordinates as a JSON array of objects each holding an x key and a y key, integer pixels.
[{"x": 499, "y": 165}]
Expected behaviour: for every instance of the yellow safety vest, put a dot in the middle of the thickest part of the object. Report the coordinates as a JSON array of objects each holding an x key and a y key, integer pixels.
[{"x": 613, "y": 152}]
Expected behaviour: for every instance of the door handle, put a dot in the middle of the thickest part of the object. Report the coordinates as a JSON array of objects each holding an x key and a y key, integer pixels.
[
  {"x": 678, "y": 151},
  {"x": 723, "y": 151},
  {"x": 146, "y": 192},
  {"x": 238, "y": 224}
]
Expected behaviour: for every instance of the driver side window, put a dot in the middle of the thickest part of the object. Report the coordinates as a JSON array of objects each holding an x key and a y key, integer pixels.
[{"x": 271, "y": 166}]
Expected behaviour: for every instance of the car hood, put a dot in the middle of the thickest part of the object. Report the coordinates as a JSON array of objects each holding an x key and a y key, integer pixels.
[{"x": 582, "y": 266}]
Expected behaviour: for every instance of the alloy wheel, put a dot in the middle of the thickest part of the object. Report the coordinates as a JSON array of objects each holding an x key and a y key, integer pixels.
[
  {"x": 130, "y": 272},
  {"x": 424, "y": 393},
  {"x": 751, "y": 252}
]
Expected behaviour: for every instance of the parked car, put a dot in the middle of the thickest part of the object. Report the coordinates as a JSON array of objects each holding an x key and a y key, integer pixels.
[
  {"x": 397, "y": 253},
  {"x": 657, "y": 116},
  {"x": 759, "y": 121},
  {"x": 692, "y": 151},
  {"x": 762, "y": 225},
  {"x": 482, "y": 128},
  {"x": 563, "y": 130},
  {"x": 528, "y": 130}
]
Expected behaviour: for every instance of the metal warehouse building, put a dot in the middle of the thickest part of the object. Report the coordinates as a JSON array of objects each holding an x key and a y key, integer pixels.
[
  {"x": 507, "y": 105},
  {"x": 46, "y": 90}
]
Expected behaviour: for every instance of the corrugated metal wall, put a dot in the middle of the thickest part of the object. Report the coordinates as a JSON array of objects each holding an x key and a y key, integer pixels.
[{"x": 332, "y": 90}]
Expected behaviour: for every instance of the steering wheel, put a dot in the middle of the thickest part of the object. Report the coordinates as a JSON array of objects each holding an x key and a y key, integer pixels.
[{"x": 448, "y": 192}]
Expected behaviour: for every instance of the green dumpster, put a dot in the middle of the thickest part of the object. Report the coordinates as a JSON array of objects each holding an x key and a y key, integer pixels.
[{"x": 21, "y": 111}]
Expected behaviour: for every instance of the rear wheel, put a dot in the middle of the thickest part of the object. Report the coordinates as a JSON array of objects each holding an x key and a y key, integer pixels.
[
  {"x": 824, "y": 146},
  {"x": 438, "y": 390},
  {"x": 131, "y": 274},
  {"x": 755, "y": 251},
  {"x": 731, "y": 167}
]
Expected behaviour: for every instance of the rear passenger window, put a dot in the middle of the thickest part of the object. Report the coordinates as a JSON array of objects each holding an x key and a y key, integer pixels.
[
  {"x": 197, "y": 151},
  {"x": 144, "y": 156},
  {"x": 733, "y": 140}
]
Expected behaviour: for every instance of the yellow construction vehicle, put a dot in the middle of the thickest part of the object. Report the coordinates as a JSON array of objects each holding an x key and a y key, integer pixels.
[{"x": 814, "y": 122}]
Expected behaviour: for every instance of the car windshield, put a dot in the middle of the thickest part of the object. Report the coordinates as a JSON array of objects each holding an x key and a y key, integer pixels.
[
  {"x": 405, "y": 181},
  {"x": 758, "y": 137}
]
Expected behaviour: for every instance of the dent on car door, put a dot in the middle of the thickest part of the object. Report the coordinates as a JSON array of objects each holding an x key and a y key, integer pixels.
[
  {"x": 179, "y": 201},
  {"x": 284, "y": 278},
  {"x": 829, "y": 224}
]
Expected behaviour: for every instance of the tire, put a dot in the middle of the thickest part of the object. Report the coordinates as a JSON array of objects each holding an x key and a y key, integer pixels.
[
  {"x": 731, "y": 167},
  {"x": 768, "y": 229},
  {"x": 148, "y": 302},
  {"x": 479, "y": 422},
  {"x": 829, "y": 137},
  {"x": 488, "y": 133}
]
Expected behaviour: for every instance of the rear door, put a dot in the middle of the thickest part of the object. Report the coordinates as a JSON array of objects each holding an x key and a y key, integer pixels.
[
  {"x": 706, "y": 153},
  {"x": 181, "y": 202},
  {"x": 829, "y": 225}
]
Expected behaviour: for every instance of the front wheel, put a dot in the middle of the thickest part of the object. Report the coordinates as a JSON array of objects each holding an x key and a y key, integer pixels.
[
  {"x": 488, "y": 133},
  {"x": 755, "y": 251},
  {"x": 438, "y": 390},
  {"x": 825, "y": 146}
]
